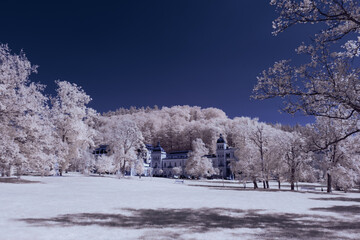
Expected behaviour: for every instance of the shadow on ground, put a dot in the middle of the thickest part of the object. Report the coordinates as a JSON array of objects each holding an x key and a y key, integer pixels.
[
  {"x": 260, "y": 189},
  {"x": 16, "y": 180},
  {"x": 285, "y": 226},
  {"x": 345, "y": 210},
  {"x": 343, "y": 199}
]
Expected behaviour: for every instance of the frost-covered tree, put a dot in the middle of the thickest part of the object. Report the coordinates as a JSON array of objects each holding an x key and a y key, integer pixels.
[
  {"x": 70, "y": 115},
  {"x": 177, "y": 171},
  {"x": 39, "y": 146},
  {"x": 339, "y": 18},
  {"x": 178, "y": 126},
  {"x": 248, "y": 164},
  {"x": 198, "y": 165},
  {"x": 327, "y": 84},
  {"x": 260, "y": 139},
  {"x": 139, "y": 167},
  {"x": 85, "y": 163},
  {"x": 264, "y": 139},
  {"x": 295, "y": 157},
  {"x": 257, "y": 149},
  {"x": 26, "y": 132},
  {"x": 124, "y": 139},
  {"x": 346, "y": 175},
  {"x": 9, "y": 150},
  {"x": 104, "y": 164},
  {"x": 333, "y": 154},
  {"x": 276, "y": 157},
  {"x": 341, "y": 163}
]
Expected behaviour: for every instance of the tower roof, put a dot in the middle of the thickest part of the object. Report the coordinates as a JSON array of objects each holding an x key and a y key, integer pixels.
[
  {"x": 221, "y": 139},
  {"x": 158, "y": 148}
]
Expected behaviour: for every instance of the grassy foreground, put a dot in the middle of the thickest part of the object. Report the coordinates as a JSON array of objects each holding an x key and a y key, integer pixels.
[{"x": 78, "y": 207}]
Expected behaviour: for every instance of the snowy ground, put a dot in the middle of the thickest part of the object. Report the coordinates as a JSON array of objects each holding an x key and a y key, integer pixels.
[{"x": 77, "y": 207}]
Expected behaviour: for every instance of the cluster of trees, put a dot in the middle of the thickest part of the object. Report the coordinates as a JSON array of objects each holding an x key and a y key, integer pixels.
[
  {"x": 263, "y": 151},
  {"x": 175, "y": 127},
  {"x": 42, "y": 134},
  {"x": 326, "y": 85},
  {"x": 125, "y": 143},
  {"x": 39, "y": 131},
  {"x": 292, "y": 154},
  {"x": 198, "y": 165},
  {"x": 45, "y": 133}
]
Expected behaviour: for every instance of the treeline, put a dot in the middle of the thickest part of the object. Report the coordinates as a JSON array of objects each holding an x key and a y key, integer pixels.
[
  {"x": 176, "y": 127},
  {"x": 39, "y": 132},
  {"x": 265, "y": 151},
  {"x": 46, "y": 134}
]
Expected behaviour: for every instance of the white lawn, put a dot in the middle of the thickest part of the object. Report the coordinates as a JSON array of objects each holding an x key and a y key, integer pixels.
[{"x": 78, "y": 207}]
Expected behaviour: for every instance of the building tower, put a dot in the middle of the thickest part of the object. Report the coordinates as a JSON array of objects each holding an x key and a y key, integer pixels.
[
  {"x": 220, "y": 155},
  {"x": 220, "y": 144},
  {"x": 157, "y": 155}
]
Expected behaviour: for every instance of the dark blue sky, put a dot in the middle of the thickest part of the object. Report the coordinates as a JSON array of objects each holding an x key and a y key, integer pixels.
[{"x": 142, "y": 53}]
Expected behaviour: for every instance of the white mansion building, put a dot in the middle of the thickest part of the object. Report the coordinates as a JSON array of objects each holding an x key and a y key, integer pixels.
[{"x": 162, "y": 162}]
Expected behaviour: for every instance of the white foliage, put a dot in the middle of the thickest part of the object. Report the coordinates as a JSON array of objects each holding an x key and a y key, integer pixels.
[
  {"x": 327, "y": 84},
  {"x": 139, "y": 166},
  {"x": 70, "y": 116},
  {"x": 177, "y": 171},
  {"x": 124, "y": 139},
  {"x": 105, "y": 164},
  {"x": 27, "y": 142},
  {"x": 198, "y": 165}
]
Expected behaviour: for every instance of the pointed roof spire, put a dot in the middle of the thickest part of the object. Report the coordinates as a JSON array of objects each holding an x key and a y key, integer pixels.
[
  {"x": 221, "y": 139},
  {"x": 158, "y": 148}
]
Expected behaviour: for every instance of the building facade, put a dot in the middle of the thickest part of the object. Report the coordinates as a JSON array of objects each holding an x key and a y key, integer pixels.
[
  {"x": 157, "y": 162},
  {"x": 162, "y": 163}
]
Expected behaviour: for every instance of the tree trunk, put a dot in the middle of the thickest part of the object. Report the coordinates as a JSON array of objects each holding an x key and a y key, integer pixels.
[
  {"x": 329, "y": 190},
  {"x": 255, "y": 184},
  {"x": 7, "y": 171},
  {"x": 279, "y": 184},
  {"x": 292, "y": 179},
  {"x": 264, "y": 184},
  {"x": 267, "y": 184},
  {"x": 123, "y": 169},
  {"x": 292, "y": 186},
  {"x": 18, "y": 172}
]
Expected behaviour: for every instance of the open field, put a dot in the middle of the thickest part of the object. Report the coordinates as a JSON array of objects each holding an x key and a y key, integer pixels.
[{"x": 77, "y": 207}]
